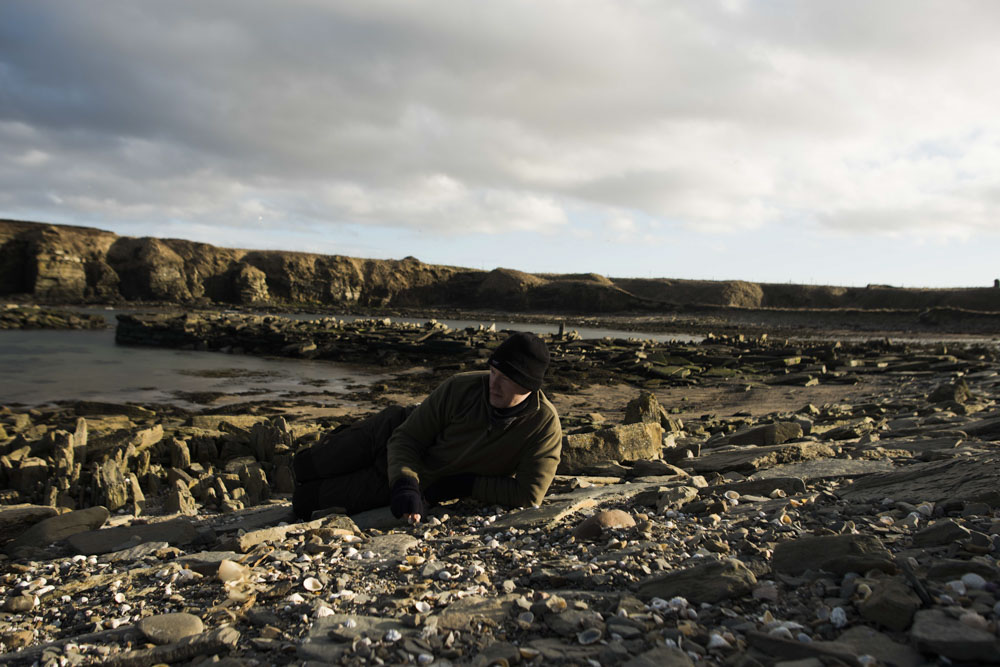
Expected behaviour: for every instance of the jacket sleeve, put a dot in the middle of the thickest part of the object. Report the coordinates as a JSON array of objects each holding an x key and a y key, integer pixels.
[
  {"x": 534, "y": 472},
  {"x": 412, "y": 438}
]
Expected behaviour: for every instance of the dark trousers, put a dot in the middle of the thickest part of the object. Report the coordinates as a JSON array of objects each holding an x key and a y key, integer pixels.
[{"x": 348, "y": 467}]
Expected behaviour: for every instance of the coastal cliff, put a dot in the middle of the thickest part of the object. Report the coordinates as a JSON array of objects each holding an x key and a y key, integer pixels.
[{"x": 67, "y": 264}]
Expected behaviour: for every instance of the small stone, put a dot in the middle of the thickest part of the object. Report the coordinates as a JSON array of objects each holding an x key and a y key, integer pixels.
[
  {"x": 594, "y": 526},
  {"x": 19, "y": 604},
  {"x": 169, "y": 628}
]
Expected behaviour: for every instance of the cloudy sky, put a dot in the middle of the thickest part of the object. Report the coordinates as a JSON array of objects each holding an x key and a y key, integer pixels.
[{"x": 846, "y": 142}]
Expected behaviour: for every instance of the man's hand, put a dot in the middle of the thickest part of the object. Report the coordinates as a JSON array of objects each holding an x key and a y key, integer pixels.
[{"x": 405, "y": 499}]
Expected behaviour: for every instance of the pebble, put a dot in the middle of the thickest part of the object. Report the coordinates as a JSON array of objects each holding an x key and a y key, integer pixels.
[{"x": 169, "y": 628}]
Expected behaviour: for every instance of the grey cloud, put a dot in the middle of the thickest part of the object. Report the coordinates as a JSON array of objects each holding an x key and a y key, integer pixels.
[{"x": 333, "y": 112}]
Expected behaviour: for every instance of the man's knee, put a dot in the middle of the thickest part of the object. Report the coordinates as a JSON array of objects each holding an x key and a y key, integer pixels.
[
  {"x": 305, "y": 499},
  {"x": 304, "y": 466}
]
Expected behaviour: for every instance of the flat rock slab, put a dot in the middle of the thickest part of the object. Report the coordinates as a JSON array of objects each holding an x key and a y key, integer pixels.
[
  {"x": 751, "y": 459},
  {"x": 254, "y": 518},
  {"x": 380, "y": 518},
  {"x": 137, "y": 552},
  {"x": 393, "y": 546},
  {"x": 15, "y": 519},
  {"x": 169, "y": 628},
  {"x": 175, "y": 532},
  {"x": 934, "y": 631},
  {"x": 826, "y": 469},
  {"x": 460, "y": 613},
  {"x": 790, "y": 649},
  {"x": 319, "y": 645},
  {"x": 57, "y": 528},
  {"x": 212, "y": 422},
  {"x": 762, "y": 485},
  {"x": 839, "y": 554},
  {"x": 247, "y": 541},
  {"x": 556, "y": 652},
  {"x": 206, "y": 562},
  {"x": 918, "y": 446},
  {"x": 665, "y": 656},
  {"x": 554, "y": 510},
  {"x": 866, "y": 641},
  {"x": 710, "y": 582},
  {"x": 975, "y": 479}
]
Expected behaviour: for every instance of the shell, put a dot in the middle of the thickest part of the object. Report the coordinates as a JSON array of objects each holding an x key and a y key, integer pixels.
[
  {"x": 589, "y": 636},
  {"x": 323, "y": 611},
  {"x": 421, "y": 606},
  {"x": 312, "y": 584},
  {"x": 230, "y": 571}
]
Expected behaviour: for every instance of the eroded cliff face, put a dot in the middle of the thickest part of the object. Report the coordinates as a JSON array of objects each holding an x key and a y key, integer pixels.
[{"x": 60, "y": 263}]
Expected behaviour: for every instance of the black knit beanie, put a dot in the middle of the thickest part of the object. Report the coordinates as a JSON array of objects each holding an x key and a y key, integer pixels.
[{"x": 523, "y": 358}]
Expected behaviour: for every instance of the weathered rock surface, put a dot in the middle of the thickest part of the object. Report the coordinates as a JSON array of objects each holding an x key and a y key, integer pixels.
[
  {"x": 632, "y": 442},
  {"x": 710, "y": 582}
]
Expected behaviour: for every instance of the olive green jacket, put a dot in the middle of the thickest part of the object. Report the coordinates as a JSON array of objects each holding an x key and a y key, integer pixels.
[{"x": 450, "y": 434}]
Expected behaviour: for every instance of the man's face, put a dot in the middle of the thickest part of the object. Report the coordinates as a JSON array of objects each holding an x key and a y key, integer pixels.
[{"x": 504, "y": 392}]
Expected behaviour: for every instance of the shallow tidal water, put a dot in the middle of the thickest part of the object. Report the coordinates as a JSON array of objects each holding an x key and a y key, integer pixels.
[{"x": 42, "y": 366}]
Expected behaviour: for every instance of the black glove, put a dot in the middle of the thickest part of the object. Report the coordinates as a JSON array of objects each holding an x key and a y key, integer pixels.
[
  {"x": 405, "y": 498},
  {"x": 446, "y": 488}
]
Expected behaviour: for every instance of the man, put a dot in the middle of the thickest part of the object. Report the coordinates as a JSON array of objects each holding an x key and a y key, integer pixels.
[{"x": 490, "y": 435}]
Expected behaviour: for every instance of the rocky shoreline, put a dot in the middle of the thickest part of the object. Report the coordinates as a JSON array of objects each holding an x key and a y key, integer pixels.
[
  {"x": 860, "y": 530},
  {"x": 32, "y": 317}
]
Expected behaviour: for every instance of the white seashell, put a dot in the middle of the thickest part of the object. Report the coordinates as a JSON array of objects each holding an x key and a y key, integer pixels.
[
  {"x": 838, "y": 617},
  {"x": 231, "y": 571},
  {"x": 731, "y": 495},
  {"x": 350, "y": 623},
  {"x": 717, "y": 641},
  {"x": 323, "y": 611},
  {"x": 421, "y": 606},
  {"x": 312, "y": 584},
  {"x": 79, "y": 558},
  {"x": 119, "y": 598},
  {"x": 393, "y": 635},
  {"x": 295, "y": 598},
  {"x": 970, "y": 579}
]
